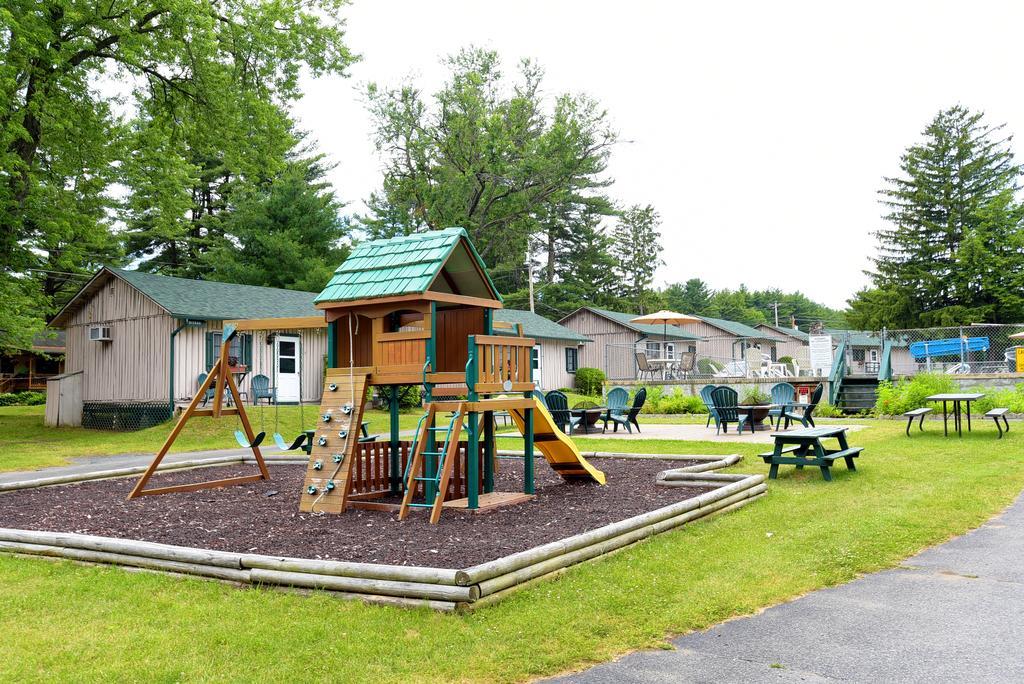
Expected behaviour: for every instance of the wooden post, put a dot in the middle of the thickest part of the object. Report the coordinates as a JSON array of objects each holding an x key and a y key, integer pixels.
[
  {"x": 394, "y": 460},
  {"x": 489, "y": 451},
  {"x": 528, "y": 485},
  {"x": 332, "y": 344}
]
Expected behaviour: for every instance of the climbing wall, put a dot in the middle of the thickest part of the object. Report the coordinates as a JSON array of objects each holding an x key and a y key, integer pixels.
[{"x": 327, "y": 483}]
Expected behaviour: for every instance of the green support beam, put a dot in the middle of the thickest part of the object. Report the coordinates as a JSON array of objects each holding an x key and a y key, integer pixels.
[
  {"x": 473, "y": 461},
  {"x": 394, "y": 462}
]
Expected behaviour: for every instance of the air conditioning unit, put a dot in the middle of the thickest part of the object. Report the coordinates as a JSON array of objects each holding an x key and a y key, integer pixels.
[{"x": 99, "y": 333}]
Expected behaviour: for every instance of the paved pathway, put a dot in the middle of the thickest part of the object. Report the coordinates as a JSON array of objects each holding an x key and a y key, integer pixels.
[
  {"x": 694, "y": 432},
  {"x": 954, "y": 613},
  {"x": 89, "y": 464}
]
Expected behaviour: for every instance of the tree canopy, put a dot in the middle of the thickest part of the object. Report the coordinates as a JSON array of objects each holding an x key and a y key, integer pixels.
[
  {"x": 952, "y": 251},
  {"x": 174, "y": 104},
  {"x": 489, "y": 153}
]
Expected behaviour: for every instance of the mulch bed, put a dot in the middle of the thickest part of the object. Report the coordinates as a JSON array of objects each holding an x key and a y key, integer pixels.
[{"x": 263, "y": 517}]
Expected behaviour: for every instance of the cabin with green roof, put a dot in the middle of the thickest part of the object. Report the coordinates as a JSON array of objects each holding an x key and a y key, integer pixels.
[{"x": 139, "y": 341}]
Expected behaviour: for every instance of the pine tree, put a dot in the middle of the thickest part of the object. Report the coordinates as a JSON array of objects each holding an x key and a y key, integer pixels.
[
  {"x": 287, "y": 235},
  {"x": 692, "y": 297},
  {"x": 636, "y": 245},
  {"x": 953, "y": 228}
]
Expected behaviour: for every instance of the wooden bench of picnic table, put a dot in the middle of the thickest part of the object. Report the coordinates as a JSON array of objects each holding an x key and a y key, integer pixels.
[
  {"x": 914, "y": 413},
  {"x": 997, "y": 413},
  {"x": 807, "y": 450}
]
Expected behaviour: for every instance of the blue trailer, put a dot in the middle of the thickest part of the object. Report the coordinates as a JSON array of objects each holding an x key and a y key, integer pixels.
[{"x": 954, "y": 346}]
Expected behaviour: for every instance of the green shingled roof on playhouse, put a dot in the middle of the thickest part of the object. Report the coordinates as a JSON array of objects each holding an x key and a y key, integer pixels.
[{"x": 397, "y": 266}]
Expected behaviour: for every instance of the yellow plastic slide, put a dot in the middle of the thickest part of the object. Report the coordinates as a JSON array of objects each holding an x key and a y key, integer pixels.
[{"x": 560, "y": 451}]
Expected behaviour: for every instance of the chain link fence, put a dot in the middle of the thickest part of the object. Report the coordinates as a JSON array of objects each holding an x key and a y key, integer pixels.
[
  {"x": 126, "y": 416},
  {"x": 981, "y": 349}
]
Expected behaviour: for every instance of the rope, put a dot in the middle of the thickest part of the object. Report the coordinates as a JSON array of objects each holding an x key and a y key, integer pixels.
[{"x": 352, "y": 393}]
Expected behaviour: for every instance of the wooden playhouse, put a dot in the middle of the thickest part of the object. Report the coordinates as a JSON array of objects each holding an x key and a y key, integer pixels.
[{"x": 417, "y": 310}]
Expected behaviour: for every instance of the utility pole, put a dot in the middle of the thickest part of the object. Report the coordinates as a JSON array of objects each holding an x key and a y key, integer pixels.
[
  {"x": 529, "y": 265},
  {"x": 776, "y": 306}
]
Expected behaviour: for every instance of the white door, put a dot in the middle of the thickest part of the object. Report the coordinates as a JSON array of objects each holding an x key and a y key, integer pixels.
[{"x": 288, "y": 367}]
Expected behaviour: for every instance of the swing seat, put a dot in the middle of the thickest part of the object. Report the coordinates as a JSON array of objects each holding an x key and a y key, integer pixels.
[
  {"x": 243, "y": 441},
  {"x": 283, "y": 446}
]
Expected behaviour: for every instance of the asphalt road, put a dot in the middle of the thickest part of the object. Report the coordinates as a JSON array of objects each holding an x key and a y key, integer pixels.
[{"x": 954, "y": 613}]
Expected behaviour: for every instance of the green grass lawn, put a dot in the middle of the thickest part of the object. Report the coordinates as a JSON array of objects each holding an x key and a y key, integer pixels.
[
  {"x": 89, "y": 623},
  {"x": 26, "y": 443}
]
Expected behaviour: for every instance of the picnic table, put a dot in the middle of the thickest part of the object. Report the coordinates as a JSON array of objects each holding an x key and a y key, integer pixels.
[
  {"x": 956, "y": 400},
  {"x": 804, "y": 447}
]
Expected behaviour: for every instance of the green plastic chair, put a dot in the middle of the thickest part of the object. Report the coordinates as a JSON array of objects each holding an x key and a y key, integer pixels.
[
  {"x": 782, "y": 393},
  {"x": 726, "y": 403},
  {"x": 618, "y": 399},
  {"x": 803, "y": 414},
  {"x": 261, "y": 389},
  {"x": 200, "y": 379},
  {"x": 558, "y": 406},
  {"x": 705, "y": 396},
  {"x": 628, "y": 418}
]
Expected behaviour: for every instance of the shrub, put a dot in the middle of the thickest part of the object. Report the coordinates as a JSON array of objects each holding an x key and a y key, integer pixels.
[
  {"x": 827, "y": 410},
  {"x": 676, "y": 403},
  {"x": 910, "y": 393},
  {"x": 755, "y": 397},
  {"x": 1004, "y": 397},
  {"x": 655, "y": 395},
  {"x": 589, "y": 380},
  {"x": 708, "y": 366},
  {"x": 22, "y": 399}
]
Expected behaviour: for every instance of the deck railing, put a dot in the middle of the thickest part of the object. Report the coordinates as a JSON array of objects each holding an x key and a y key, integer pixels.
[{"x": 500, "y": 364}]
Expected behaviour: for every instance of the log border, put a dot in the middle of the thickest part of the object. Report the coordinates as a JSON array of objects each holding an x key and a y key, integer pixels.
[{"x": 440, "y": 589}]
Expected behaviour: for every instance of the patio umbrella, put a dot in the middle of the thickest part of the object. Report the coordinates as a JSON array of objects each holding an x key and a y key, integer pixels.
[{"x": 665, "y": 317}]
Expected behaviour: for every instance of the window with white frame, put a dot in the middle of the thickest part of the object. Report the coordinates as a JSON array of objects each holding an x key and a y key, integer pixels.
[
  {"x": 535, "y": 357},
  {"x": 670, "y": 350},
  {"x": 653, "y": 349},
  {"x": 571, "y": 359}
]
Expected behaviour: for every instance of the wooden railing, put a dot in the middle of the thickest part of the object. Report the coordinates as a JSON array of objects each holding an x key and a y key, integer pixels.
[
  {"x": 371, "y": 470},
  {"x": 499, "y": 364},
  {"x": 400, "y": 352}
]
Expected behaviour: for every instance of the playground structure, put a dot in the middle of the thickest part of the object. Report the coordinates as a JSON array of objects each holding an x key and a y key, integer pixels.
[
  {"x": 417, "y": 310},
  {"x": 411, "y": 310}
]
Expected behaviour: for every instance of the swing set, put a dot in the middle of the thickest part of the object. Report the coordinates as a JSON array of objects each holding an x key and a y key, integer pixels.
[
  {"x": 223, "y": 384},
  {"x": 300, "y": 441}
]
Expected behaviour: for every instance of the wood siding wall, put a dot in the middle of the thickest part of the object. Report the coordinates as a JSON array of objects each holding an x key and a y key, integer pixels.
[
  {"x": 454, "y": 326},
  {"x": 610, "y": 349},
  {"x": 552, "y": 373},
  {"x": 133, "y": 366}
]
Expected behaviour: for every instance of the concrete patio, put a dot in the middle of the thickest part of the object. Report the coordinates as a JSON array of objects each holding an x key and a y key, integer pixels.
[{"x": 692, "y": 432}]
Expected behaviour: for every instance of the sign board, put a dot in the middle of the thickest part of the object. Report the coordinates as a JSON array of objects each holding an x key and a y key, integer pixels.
[{"x": 821, "y": 354}]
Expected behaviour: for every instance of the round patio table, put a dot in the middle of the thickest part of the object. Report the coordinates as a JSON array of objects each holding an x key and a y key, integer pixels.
[
  {"x": 757, "y": 415},
  {"x": 588, "y": 412}
]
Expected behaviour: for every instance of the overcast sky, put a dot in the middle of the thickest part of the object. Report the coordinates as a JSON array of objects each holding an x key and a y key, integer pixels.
[{"x": 760, "y": 131}]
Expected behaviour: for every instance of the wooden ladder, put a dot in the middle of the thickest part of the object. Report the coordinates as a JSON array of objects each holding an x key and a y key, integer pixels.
[{"x": 445, "y": 455}]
